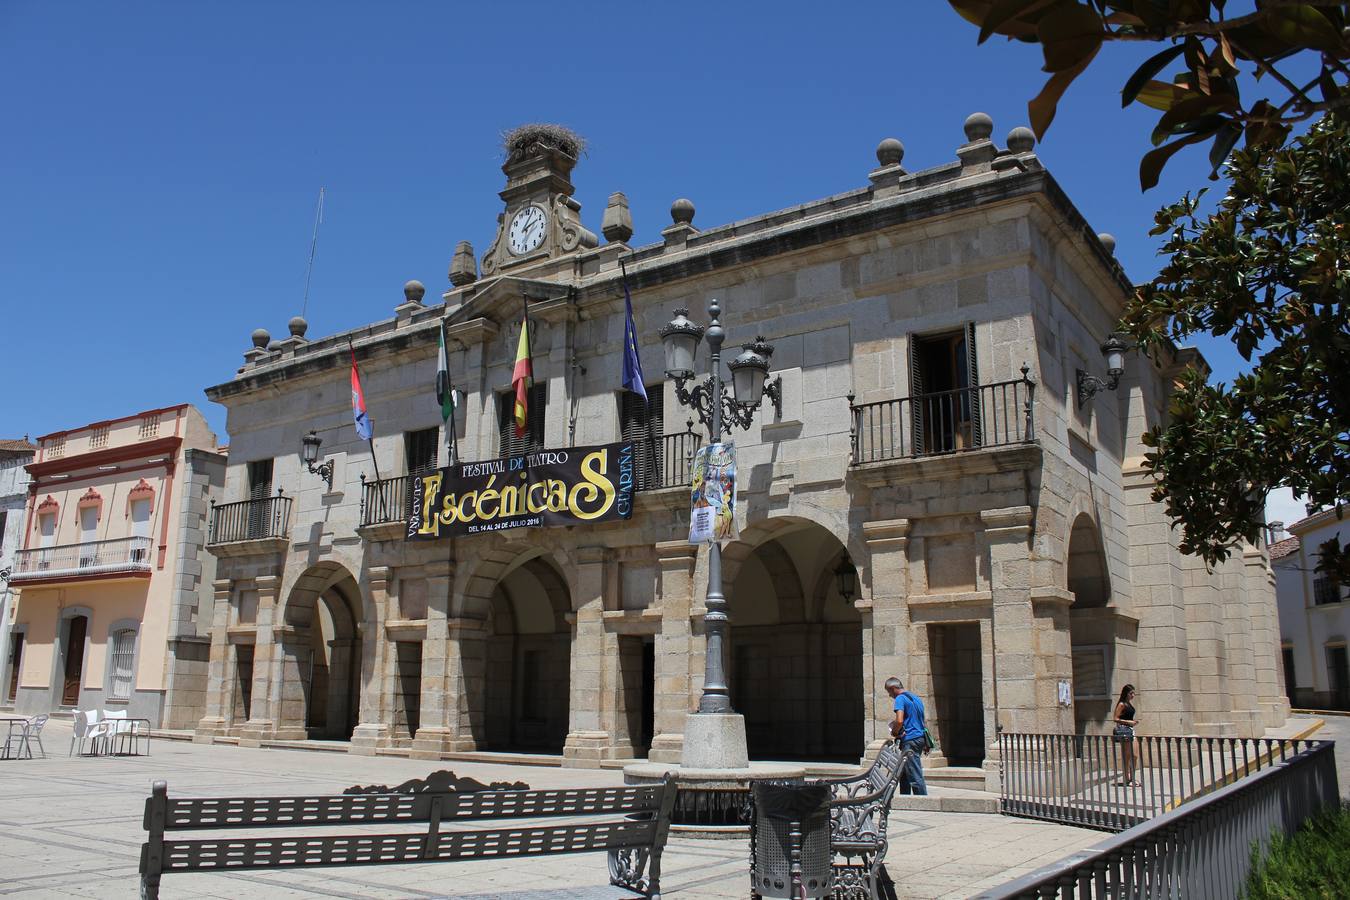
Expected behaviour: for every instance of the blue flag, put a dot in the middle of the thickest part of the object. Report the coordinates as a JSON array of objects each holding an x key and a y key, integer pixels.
[{"x": 632, "y": 364}]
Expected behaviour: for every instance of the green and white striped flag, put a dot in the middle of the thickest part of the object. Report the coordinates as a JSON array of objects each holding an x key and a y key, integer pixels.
[{"x": 445, "y": 393}]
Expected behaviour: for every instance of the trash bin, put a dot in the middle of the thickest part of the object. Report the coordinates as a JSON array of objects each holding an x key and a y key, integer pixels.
[{"x": 790, "y": 840}]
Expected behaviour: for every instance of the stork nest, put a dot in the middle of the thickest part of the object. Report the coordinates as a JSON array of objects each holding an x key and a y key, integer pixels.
[{"x": 524, "y": 140}]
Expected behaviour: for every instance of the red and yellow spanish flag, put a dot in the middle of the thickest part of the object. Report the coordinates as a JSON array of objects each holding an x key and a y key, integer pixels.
[{"x": 523, "y": 375}]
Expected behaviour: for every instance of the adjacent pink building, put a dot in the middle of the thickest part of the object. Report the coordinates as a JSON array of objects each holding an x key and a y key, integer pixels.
[{"x": 114, "y": 589}]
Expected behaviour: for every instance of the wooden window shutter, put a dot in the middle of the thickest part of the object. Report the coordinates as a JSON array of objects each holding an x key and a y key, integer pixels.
[
  {"x": 420, "y": 450},
  {"x": 973, "y": 380},
  {"x": 916, "y": 390},
  {"x": 533, "y": 439}
]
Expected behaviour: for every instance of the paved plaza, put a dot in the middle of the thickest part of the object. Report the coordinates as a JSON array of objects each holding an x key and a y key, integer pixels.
[{"x": 72, "y": 827}]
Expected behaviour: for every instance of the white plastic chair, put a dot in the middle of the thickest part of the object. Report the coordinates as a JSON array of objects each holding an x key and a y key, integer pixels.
[
  {"x": 88, "y": 726},
  {"x": 33, "y": 732},
  {"x": 118, "y": 727}
]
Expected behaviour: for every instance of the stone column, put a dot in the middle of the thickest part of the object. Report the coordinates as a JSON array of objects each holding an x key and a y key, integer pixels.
[
  {"x": 220, "y": 669},
  {"x": 1208, "y": 648},
  {"x": 597, "y": 695},
  {"x": 452, "y": 666},
  {"x": 1019, "y": 699},
  {"x": 1270, "y": 694},
  {"x": 674, "y": 596},
  {"x": 372, "y": 730},
  {"x": 886, "y": 625},
  {"x": 267, "y": 668},
  {"x": 1241, "y": 661},
  {"x": 1164, "y": 674}
]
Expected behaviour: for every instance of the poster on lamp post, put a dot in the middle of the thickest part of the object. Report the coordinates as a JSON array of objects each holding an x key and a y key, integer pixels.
[{"x": 712, "y": 515}]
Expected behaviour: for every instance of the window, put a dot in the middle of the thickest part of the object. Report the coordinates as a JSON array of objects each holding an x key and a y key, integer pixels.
[
  {"x": 4, "y": 521},
  {"x": 1338, "y": 677},
  {"x": 944, "y": 388},
  {"x": 46, "y": 529},
  {"x": 1090, "y": 672},
  {"x": 88, "y": 534},
  {"x": 533, "y": 439},
  {"x": 1325, "y": 590},
  {"x": 140, "y": 527},
  {"x": 420, "y": 450},
  {"x": 98, "y": 438},
  {"x": 259, "y": 490},
  {"x": 149, "y": 427},
  {"x": 643, "y": 424},
  {"x": 1287, "y": 657},
  {"x": 121, "y": 676}
]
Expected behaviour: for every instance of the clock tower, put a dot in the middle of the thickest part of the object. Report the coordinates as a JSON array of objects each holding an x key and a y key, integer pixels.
[{"x": 541, "y": 220}]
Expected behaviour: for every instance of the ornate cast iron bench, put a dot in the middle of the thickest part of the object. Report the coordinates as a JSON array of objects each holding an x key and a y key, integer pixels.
[
  {"x": 632, "y": 823},
  {"x": 859, "y": 807}
]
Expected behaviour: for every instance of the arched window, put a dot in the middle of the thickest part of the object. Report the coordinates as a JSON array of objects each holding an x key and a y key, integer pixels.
[{"x": 121, "y": 664}]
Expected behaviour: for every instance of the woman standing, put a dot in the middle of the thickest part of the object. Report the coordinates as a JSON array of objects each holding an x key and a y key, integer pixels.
[{"x": 1124, "y": 734}]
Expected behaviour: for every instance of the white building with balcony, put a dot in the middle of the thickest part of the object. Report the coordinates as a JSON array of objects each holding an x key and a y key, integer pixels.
[
  {"x": 1314, "y": 614},
  {"x": 110, "y": 575}
]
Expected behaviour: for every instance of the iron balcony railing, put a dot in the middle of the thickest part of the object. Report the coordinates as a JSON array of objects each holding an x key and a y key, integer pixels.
[
  {"x": 1076, "y": 779},
  {"x": 129, "y": 554},
  {"x": 251, "y": 520},
  {"x": 385, "y": 500},
  {"x": 986, "y": 415},
  {"x": 1201, "y": 849},
  {"x": 662, "y": 462}
]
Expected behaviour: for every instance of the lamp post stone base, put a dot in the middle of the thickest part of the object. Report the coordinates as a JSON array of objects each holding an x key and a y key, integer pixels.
[{"x": 715, "y": 741}]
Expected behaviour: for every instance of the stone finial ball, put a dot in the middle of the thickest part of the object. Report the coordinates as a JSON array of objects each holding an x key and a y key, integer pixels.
[
  {"x": 273, "y": 345},
  {"x": 978, "y": 127},
  {"x": 260, "y": 338},
  {"x": 1108, "y": 241},
  {"x": 1021, "y": 139},
  {"x": 298, "y": 326},
  {"x": 413, "y": 291},
  {"x": 682, "y": 211},
  {"x": 890, "y": 152}
]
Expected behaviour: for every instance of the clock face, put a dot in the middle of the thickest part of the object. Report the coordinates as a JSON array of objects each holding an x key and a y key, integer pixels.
[{"x": 527, "y": 230}]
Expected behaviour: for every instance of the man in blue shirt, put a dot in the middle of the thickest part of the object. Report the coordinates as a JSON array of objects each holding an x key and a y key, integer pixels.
[{"x": 908, "y": 728}]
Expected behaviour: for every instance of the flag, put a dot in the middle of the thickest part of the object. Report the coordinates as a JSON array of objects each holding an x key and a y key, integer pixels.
[
  {"x": 445, "y": 393},
  {"x": 362, "y": 420},
  {"x": 523, "y": 374},
  {"x": 632, "y": 363}
]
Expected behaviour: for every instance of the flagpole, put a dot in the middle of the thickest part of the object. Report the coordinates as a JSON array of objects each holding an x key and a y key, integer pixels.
[{"x": 370, "y": 440}]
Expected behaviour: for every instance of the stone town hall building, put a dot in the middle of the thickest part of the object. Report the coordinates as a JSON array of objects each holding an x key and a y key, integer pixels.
[{"x": 927, "y": 328}]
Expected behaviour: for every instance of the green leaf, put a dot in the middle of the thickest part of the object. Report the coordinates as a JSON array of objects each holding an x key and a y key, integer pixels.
[
  {"x": 1191, "y": 109},
  {"x": 1224, "y": 142},
  {"x": 1144, "y": 74},
  {"x": 1004, "y": 10},
  {"x": 1163, "y": 96},
  {"x": 1068, "y": 36},
  {"x": 1304, "y": 25},
  {"x": 1151, "y": 166},
  {"x": 1042, "y": 109}
]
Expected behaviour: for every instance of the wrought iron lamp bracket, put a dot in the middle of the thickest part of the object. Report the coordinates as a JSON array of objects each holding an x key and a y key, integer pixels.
[
  {"x": 1090, "y": 385},
  {"x": 699, "y": 399},
  {"x": 325, "y": 471}
]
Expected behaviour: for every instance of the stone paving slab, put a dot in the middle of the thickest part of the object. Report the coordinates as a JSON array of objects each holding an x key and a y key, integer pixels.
[{"x": 71, "y": 827}]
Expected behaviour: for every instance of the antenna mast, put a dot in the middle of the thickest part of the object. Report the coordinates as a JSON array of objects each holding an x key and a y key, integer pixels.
[{"x": 313, "y": 246}]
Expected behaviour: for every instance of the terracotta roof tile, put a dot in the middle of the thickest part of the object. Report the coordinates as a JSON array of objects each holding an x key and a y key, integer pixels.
[
  {"x": 1281, "y": 549},
  {"x": 18, "y": 445}
]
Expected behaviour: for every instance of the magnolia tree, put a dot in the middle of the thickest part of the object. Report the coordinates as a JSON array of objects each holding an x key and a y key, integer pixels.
[{"x": 1268, "y": 269}]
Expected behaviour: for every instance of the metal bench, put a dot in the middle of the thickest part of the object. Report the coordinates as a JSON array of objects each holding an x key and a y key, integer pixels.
[
  {"x": 634, "y": 827},
  {"x": 859, "y": 808}
]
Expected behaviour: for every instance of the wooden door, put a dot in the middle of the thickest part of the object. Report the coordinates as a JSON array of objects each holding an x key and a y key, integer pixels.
[
  {"x": 70, "y": 691},
  {"x": 15, "y": 661}
]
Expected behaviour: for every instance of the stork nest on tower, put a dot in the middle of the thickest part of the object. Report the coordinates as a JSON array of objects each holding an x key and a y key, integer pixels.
[{"x": 526, "y": 140}]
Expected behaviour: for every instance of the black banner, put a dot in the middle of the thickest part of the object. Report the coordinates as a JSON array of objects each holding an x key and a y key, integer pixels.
[{"x": 551, "y": 487}]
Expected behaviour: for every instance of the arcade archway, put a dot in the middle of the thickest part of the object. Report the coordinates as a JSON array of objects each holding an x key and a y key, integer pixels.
[
  {"x": 527, "y": 661},
  {"x": 1092, "y": 630},
  {"x": 795, "y": 649},
  {"x": 325, "y": 609}
]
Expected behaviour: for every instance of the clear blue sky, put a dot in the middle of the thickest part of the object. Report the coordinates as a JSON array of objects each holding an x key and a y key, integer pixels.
[{"x": 161, "y": 161}]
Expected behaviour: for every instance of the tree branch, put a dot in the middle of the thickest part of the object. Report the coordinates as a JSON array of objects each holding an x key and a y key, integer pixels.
[{"x": 1274, "y": 73}]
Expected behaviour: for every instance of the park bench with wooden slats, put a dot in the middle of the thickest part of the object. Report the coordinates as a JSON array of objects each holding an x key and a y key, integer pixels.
[{"x": 633, "y": 825}]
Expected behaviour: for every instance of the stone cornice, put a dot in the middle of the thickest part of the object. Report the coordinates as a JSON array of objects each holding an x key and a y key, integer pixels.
[{"x": 985, "y": 461}]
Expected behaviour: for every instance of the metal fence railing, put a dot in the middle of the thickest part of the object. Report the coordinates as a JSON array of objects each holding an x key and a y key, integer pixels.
[
  {"x": 128, "y": 554},
  {"x": 1200, "y": 849},
  {"x": 986, "y": 415},
  {"x": 385, "y": 500},
  {"x": 1076, "y": 779},
  {"x": 250, "y": 520},
  {"x": 665, "y": 462}
]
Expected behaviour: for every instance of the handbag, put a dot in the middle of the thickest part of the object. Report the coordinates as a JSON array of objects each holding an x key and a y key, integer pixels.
[
  {"x": 929, "y": 745},
  {"x": 1122, "y": 732}
]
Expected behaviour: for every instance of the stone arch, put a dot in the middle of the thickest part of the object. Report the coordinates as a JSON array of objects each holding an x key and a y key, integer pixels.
[
  {"x": 1093, "y": 629},
  {"x": 795, "y": 647},
  {"x": 525, "y": 602},
  {"x": 323, "y": 621}
]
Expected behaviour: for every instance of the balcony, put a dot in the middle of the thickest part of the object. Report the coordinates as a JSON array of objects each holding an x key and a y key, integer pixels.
[
  {"x": 118, "y": 557},
  {"x": 250, "y": 526},
  {"x": 963, "y": 423},
  {"x": 661, "y": 463}
]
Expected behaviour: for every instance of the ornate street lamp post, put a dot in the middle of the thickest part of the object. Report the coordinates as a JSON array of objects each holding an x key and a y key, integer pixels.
[
  {"x": 710, "y": 401},
  {"x": 309, "y": 455},
  {"x": 1088, "y": 385}
]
